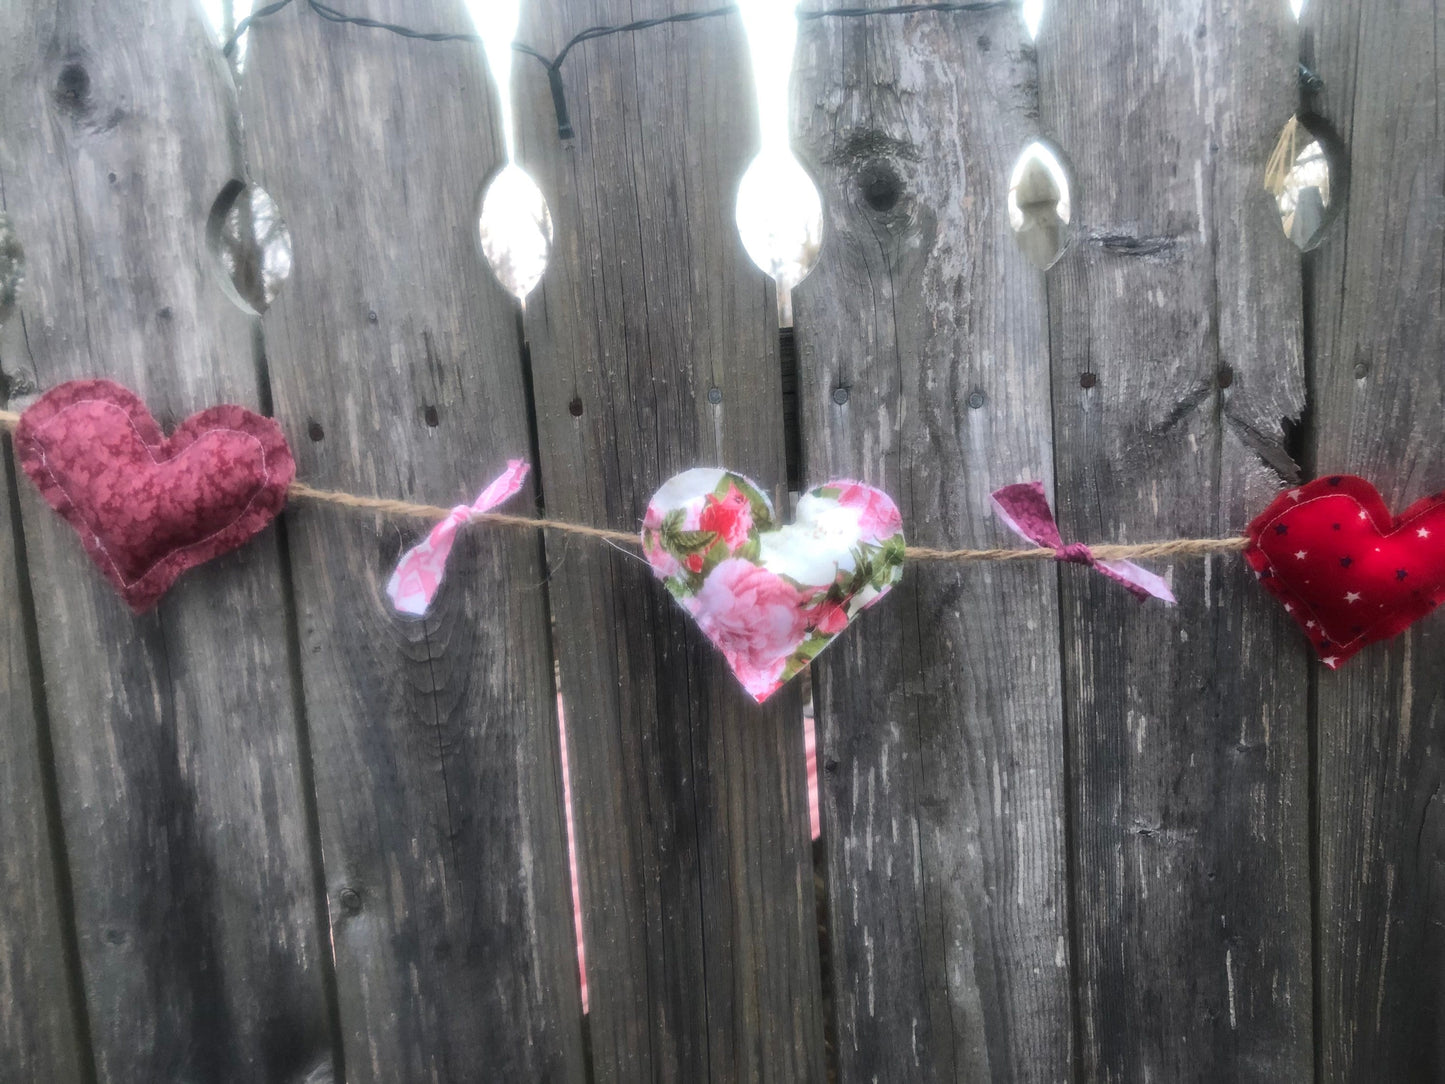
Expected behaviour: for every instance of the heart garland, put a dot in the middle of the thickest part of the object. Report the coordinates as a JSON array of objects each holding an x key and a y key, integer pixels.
[
  {"x": 1347, "y": 571},
  {"x": 771, "y": 597},
  {"x": 148, "y": 507}
]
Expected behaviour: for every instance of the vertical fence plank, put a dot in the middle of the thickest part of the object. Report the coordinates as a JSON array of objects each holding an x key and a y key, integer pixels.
[
  {"x": 397, "y": 370},
  {"x": 690, "y": 800},
  {"x": 39, "y": 1037},
  {"x": 1377, "y": 338},
  {"x": 923, "y": 368},
  {"x": 1176, "y": 355},
  {"x": 175, "y": 733}
]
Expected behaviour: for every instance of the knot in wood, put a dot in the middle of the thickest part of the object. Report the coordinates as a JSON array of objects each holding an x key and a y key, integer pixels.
[
  {"x": 880, "y": 185},
  {"x": 72, "y": 88}
]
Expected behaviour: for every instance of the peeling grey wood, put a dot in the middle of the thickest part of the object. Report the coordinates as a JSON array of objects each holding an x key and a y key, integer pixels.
[
  {"x": 1175, "y": 333},
  {"x": 924, "y": 369},
  {"x": 40, "y": 1038},
  {"x": 396, "y": 370},
  {"x": 175, "y": 734},
  {"x": 690, "y": 800},
  {"x": 1377, "y": 387},
  {"x": 946, "y": 768}
]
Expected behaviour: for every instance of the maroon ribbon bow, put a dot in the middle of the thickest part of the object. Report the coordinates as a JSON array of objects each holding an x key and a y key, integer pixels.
[{"x": 1025, "y": 508}]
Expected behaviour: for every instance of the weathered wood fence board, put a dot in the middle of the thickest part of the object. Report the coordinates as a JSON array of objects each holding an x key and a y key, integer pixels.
[
  {"x": 697, "y": 884},
  {"x": 397, "y": 370},
  {"x": 40, "y": 1038},
  {"x": 274, "y": 832},
  {"x": 174, "y": 734},
  {"x": 1376, "y": 388},
  {"x": 940, "y": 730},
  {"x": 1175, "y": 336}
]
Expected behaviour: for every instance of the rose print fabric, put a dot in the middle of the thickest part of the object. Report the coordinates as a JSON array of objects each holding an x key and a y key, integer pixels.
[
  {"x": 419, "y": 573},
  {"x": 771, "y": 597}
]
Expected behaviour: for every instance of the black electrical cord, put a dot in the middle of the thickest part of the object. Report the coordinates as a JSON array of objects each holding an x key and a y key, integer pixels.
[{"x": 554, "y": 64}]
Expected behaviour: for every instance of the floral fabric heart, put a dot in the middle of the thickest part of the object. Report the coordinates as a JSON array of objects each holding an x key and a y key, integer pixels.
[
  {"x": 148, "y": 508},
  {"x": 1347, "y": 571},
  {"x": 771, "y": 597}
]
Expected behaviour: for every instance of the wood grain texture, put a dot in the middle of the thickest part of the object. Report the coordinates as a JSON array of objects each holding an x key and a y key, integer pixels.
[
  {"x": 1188, "y": 740},
  {"x": 397, "y": 371},
  {"x": 175, "y": 734},
  {"x": 1376, "y": 381},
  {"x": 41, "y": 1039},
  {"x": 940, "y": 721},
  {"x": 690, "y": 800}
]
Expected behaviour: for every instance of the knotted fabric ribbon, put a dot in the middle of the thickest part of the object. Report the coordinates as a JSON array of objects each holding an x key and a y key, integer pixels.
[
  {"x": 1025, "y": 508},
  {"x": 419, "y": 573}
]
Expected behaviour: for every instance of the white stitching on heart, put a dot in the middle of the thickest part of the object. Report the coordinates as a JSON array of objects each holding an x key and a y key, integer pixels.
[
  {"x": 99, "y": 542},
  {"x": 1398, "y": 526}
]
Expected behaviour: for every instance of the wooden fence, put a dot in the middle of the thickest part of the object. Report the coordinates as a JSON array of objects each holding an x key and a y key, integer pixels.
[{"x": 273, "y": 832}]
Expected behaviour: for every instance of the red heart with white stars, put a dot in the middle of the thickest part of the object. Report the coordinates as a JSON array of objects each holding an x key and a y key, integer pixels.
[{"x": 1349, "y": 572}]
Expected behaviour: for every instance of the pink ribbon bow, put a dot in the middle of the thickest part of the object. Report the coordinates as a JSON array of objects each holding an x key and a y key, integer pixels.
[
  {"x": 419, "y": 572},
  {"x": 1026, "y": 510}
]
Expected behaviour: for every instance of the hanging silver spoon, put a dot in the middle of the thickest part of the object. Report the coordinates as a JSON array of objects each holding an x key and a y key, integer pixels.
[{"x": 515, "y": 224}]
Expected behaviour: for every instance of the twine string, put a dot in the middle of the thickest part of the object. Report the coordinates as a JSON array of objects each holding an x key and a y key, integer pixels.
[{"x": 383, "y": 506}]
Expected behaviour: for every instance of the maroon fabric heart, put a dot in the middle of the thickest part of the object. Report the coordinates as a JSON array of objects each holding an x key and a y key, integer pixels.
[
  {"x": 146, "y": 507},
  {"x": 1345, "y": 569}
]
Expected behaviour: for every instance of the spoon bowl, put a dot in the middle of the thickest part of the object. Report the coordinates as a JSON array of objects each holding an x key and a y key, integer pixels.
[
  {"x": 515, "y": 228},
  {"x": 780, "y": 219}
]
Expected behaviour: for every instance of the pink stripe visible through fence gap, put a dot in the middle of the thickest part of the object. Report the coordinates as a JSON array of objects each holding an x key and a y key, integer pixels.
[
  {"x": 572, "y": 854},
  {"x": 810, "y": 749}
]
